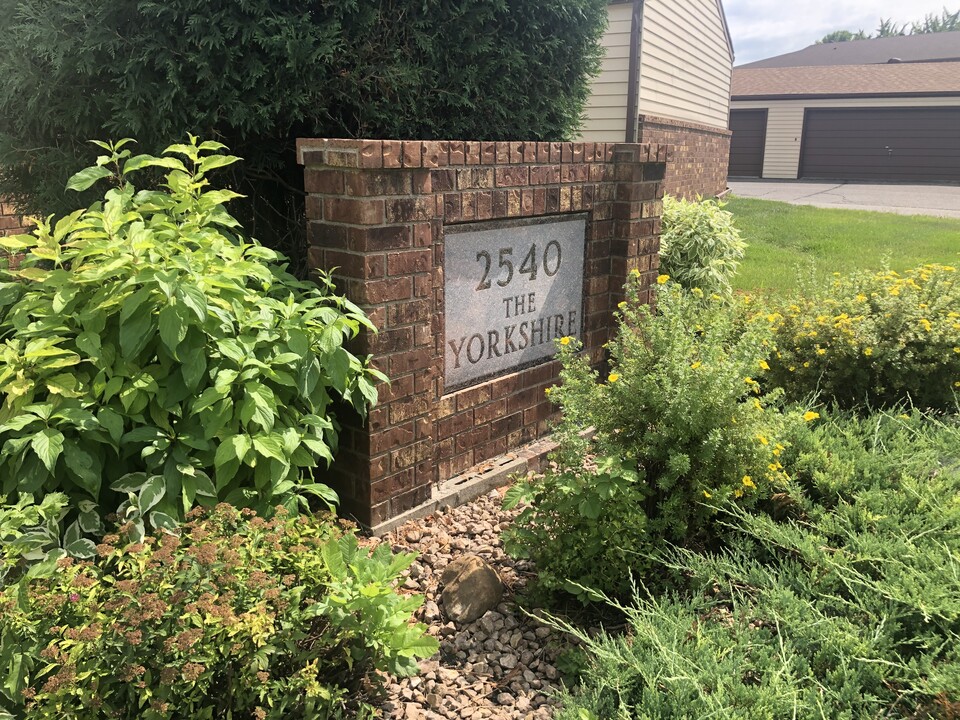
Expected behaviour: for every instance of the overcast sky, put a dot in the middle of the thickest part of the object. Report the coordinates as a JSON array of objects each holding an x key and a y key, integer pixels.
[{"x": 764, "y": 28}]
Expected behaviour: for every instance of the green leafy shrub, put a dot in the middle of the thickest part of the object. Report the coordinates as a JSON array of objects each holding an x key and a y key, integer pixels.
[
  {"x": 873, "y": 338},
  {"x": 234, "y": 616},
  {"x": 30, "y": 533},
  {"x": 151, "y": 359},
  {"x": 851, "y": 609},
  {"x": 681, "y": 428},
  {"x": 699, "y": 245},
  {"x": 259, "y": 73}
]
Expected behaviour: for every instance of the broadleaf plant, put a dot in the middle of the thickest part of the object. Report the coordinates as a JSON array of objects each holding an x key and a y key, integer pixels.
[{"x": 152, "y": 359}]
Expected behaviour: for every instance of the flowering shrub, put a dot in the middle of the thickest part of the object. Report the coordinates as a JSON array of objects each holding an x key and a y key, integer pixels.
[
  {"x": 848, "y": 607},
  {"x": 699, "y": 244},
  {"x": 152, "y": 359},
  {"x": 682, "y": 427},
  {"x": 235, "y": 616},
  {"x": 875, "y": 338}
]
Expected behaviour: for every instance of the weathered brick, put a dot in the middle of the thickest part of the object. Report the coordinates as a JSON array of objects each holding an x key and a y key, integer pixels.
[
  {"x": 395, "y": 437},
  {"x": 403, "y": 210},
  {"x": 472, "y": 153},
  {"x": 323, "y": 180},
  {"x": 371, "y": 154},
  {"x": 376, "y": 239},
  {"x": 412, "y": 153},
  {"x": 411, "y": 361},
  {"x": 443, "y": 180},
  {"x": 512, "y": 176},
  {"x": 369, "y": 182},
  {"x": 474, "y": 178},
  {"x": 367, "y": 211},
  {"x": 375, "y": 292},
  {"x": 392, "y": 154},
  {"x": 406, "y": 263}
]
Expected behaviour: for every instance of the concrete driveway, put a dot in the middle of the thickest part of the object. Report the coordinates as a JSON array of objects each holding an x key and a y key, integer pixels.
[{"x": 936, "y": 200}]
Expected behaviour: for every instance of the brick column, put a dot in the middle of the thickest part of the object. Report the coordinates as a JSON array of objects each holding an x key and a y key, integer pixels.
[{"x": 377, "y": 212}]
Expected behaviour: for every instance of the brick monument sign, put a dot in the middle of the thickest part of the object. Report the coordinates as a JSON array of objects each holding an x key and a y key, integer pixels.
[{"x": 471, "y": 258}]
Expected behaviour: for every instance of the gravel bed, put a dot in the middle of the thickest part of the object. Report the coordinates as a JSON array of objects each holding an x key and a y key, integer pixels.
[{"x": 501, "y": 666}]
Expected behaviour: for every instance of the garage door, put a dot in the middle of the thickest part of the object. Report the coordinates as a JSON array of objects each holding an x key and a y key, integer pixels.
[
  {"x": 898, "y": 144},
  {"x": 749, "y": 128}
]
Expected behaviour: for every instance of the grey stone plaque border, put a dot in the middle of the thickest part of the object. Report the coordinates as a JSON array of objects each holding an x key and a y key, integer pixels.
[{"x": 472, "y": 226}]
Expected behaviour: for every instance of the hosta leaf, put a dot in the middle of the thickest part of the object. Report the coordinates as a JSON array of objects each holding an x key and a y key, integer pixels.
[
  {"x": 163, "y": 521},
  {"x": 151, "y": 493},
  {"x": 90, "y": 522},
  {"x": 48, "y": 444},
  {"x": 83, "y": 549},
  {"x": 131, "y": 482}
]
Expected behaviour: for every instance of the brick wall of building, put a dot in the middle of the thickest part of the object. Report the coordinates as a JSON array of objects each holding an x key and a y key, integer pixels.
[
  {"x": 11, "y": 224},
  {"x": 377, "y": 212},
  {"x": 700, "y": 155}
]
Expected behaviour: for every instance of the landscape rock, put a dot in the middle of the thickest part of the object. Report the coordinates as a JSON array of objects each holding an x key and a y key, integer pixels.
[
  {"x": 499, "y": 667},
  {"x": 471, "y": 587}
]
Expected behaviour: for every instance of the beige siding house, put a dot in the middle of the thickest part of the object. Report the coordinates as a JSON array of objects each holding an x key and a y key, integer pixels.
[
  {"x": 882, "y": 109},
  {"x": 666, "y": 79}
]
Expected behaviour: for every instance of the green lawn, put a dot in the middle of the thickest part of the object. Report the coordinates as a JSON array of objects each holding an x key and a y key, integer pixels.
[{"x": 785, "y": 241}]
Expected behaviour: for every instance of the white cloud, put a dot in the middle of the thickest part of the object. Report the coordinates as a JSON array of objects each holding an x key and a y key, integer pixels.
[{"x": 764, "y": 28}]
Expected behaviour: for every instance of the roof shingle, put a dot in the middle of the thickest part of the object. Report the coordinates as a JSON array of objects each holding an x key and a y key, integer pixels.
[{"x": 845, "y": 80}]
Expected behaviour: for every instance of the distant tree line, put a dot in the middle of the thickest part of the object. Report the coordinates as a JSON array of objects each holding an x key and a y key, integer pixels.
[{"x": 944, "y": 22}]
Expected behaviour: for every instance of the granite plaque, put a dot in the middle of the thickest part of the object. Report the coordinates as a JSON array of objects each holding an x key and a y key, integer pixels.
[{"x": 510, "y": 289}]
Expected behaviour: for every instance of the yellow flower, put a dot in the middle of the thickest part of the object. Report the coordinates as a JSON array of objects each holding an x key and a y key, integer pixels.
[
  {"x": 764, "y": 365},
  {"x": 565, "y": 340},
  {"x": 763, "y": 440},
  {"x": 707, "y": 495},
  {"x": 613, "y": 377},
  {"x": 926, "y": 324},
  {"x": 547, "y": 391},
  {"x": 635, "y": 273},
  {"x": 868, "y": 351},
  {"x": 738, "y": 493},
  {"x": 621, "y": 305},
  {"x": 810, "y": 415},
  {"x": 695, "y": 365},
  {"x": 662, "y": 279},
  {"x": 748, "y": 481}
]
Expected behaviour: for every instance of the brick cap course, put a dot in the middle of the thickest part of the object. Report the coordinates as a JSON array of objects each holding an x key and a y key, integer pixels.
[{"x": 395, "y": 154}]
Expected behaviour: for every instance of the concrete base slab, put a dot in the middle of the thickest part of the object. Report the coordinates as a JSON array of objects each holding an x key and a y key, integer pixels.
[{"x": 476, "y": 481}]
